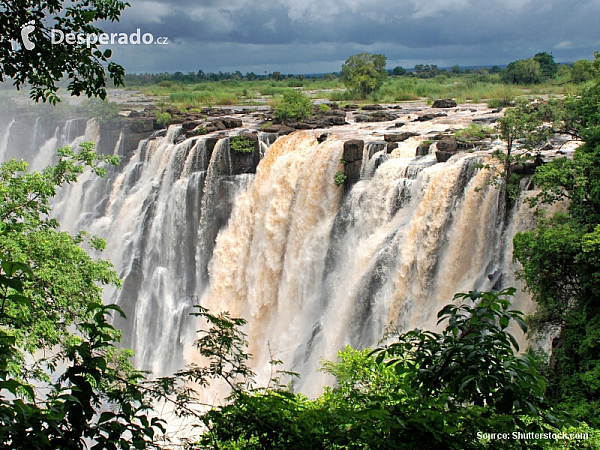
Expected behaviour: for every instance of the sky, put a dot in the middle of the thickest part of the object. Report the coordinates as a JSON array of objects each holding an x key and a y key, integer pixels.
[{"x": 317, "y": 36}]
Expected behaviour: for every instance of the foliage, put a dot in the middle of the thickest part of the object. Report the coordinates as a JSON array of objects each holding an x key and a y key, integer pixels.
[
  {"x": 44, "y": 65},
  {"x": 474, "y": 130},
  {"x": 102, "y": 110},
  {"x": 561, "y": 260},
  {"x": 398, "y": 71},
  {"x": 523, "y": 71},
  {"x": 364, "y": 73},
  {"x": 324, "y": 107},
  {"x": 293, "y": 106},
  {"x": 50, "y": 301},
  {"x": 532, "y": 124},
  {"x": 548, "y": 67},
  {"x": 582, "y": 71},
  {"x": 426, "y": 390},
  {"x": 241, "y": 144},
  {"x": 339, "y": 178},
  {"x": 163, "y": 119}
]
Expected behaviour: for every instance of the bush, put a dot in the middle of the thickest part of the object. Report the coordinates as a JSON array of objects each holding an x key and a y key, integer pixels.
[
  {"x": 293, "y": 106},
  {"x": 241, "y": 144},
  {"x": 163, "y": 119},
  {"x": 339, "y": 178}
]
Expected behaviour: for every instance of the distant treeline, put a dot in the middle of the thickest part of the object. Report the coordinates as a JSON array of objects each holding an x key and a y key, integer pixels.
[{"x": 537, "y": 69}]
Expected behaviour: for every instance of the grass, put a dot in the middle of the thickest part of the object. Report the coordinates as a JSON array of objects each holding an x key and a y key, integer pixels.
[{"x": 463, "y": 88}]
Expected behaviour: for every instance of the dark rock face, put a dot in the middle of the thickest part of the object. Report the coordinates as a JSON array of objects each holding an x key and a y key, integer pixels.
[
  {"x": 246, "y": 162},
  {"x": 337, "y": 120},
  {"x": 374, "y": 107},
  {"x": 444, "y": 156},
  {"x": 444, "y": 103},
  {"x": 230, "y": 122},
  {"x": 141, "y": 125},
  {"x": 447, "y": 145},
  {"x": 423, "y": 150},
  {"x": 190, "y": 125},
  {"x": 353, "y": 150},
  {"x": 352, "y": 172},
  {"x": 398, "y": 137},
  {"x": 391, "y": 146},
  {"x": 429, "y": 116},
  {"x": 446, "y": 148}
]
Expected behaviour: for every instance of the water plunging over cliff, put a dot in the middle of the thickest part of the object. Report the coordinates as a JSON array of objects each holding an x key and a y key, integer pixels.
[{"x": 311, "y": 267}]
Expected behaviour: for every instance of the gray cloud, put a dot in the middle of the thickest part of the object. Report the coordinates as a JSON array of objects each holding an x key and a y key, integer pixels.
[{"x": 295, "y": 36}]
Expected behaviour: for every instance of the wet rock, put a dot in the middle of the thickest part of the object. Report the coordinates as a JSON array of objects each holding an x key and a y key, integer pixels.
[
  {"x": 429, "y": 116},
  {"x": 423, "y": 150},
  {"x": 374, "y": 107},
  {"x": 398, "y": 137},
  {"x": 141, "y": 125},
  {"x": 284, "y": 129},
  {"x": 391, "y": 146},
  {"x": 323, "y": 137},
  {"x": 444, "y": 103},
  {"x": 352, "y": 172},
  {"x": 190, "y": 125},
  {"x": 337, "y": 120},
  {"x": 447, "y": 145},
  {"x": 230, "y": 122},
  {"x": 246, "y": 162},
  {"x": 353, "y": 150}
]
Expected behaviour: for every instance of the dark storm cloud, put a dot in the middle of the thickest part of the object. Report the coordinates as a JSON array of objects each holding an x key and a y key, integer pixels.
[{"x": 317, "y": 35}]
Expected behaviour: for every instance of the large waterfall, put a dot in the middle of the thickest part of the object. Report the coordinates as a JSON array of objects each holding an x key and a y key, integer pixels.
[{"x": 311, "y": 267}]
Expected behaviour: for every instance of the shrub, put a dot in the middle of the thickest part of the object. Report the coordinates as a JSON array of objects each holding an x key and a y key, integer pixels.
[
  {"x": 163, "y": 118},
  {"x": 339, "y": 178},
  {"x": 324, "y": 107},
  {"x": 241, "y": 144},
  {"x": 293, "y": 106}
]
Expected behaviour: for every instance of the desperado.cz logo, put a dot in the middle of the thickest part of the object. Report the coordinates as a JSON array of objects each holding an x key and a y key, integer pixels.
[{"x": 59, "y": 37}]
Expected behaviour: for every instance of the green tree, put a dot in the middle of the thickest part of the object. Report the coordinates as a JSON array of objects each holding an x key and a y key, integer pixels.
[
  {"x": 548, "y": 67},
  {"x": 294, "y": 105},
  {"x": 527, "y": 123},
  {"x": 42, "y": 66},
  {"x": 398, "y": 71},
  {"x": 561, "y": 260},
  {"x": 426, "y": 390},
  {"x": 52, "y": 321},
  {"x": 364, "y": 73},
  {"x": 523, "y": 71},
  {"x": 582, "y": 71}
]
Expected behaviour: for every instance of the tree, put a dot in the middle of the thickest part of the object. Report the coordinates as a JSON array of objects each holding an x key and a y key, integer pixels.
[
  {"x": 582, "y": 71},
  {"x": 364, "y": 73},
  {"x": 52, "y": 321},
  {"x": 398, "y": 71},
  {"x": 548, "y": 67},
  {"x": 523, "y": 71},
  {"x": 44, "y": 64},
  {"x": 293, "y": 106},
  {"x": 426, "y": 390},
  {"x": 561, "y": 260},
  {"x": 527, "y": 123}
]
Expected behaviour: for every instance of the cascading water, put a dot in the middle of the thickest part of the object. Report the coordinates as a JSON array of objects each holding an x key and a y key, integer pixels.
[
  {"x": 310, "y": 267},
  {"x": 312, "y": 274}
]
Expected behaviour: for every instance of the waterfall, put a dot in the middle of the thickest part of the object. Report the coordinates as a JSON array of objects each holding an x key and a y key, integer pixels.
[
  {"x": 312, "y": 272},
  {"x": 312, "y": 267},
  {"x": 4, "y": 140}
]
